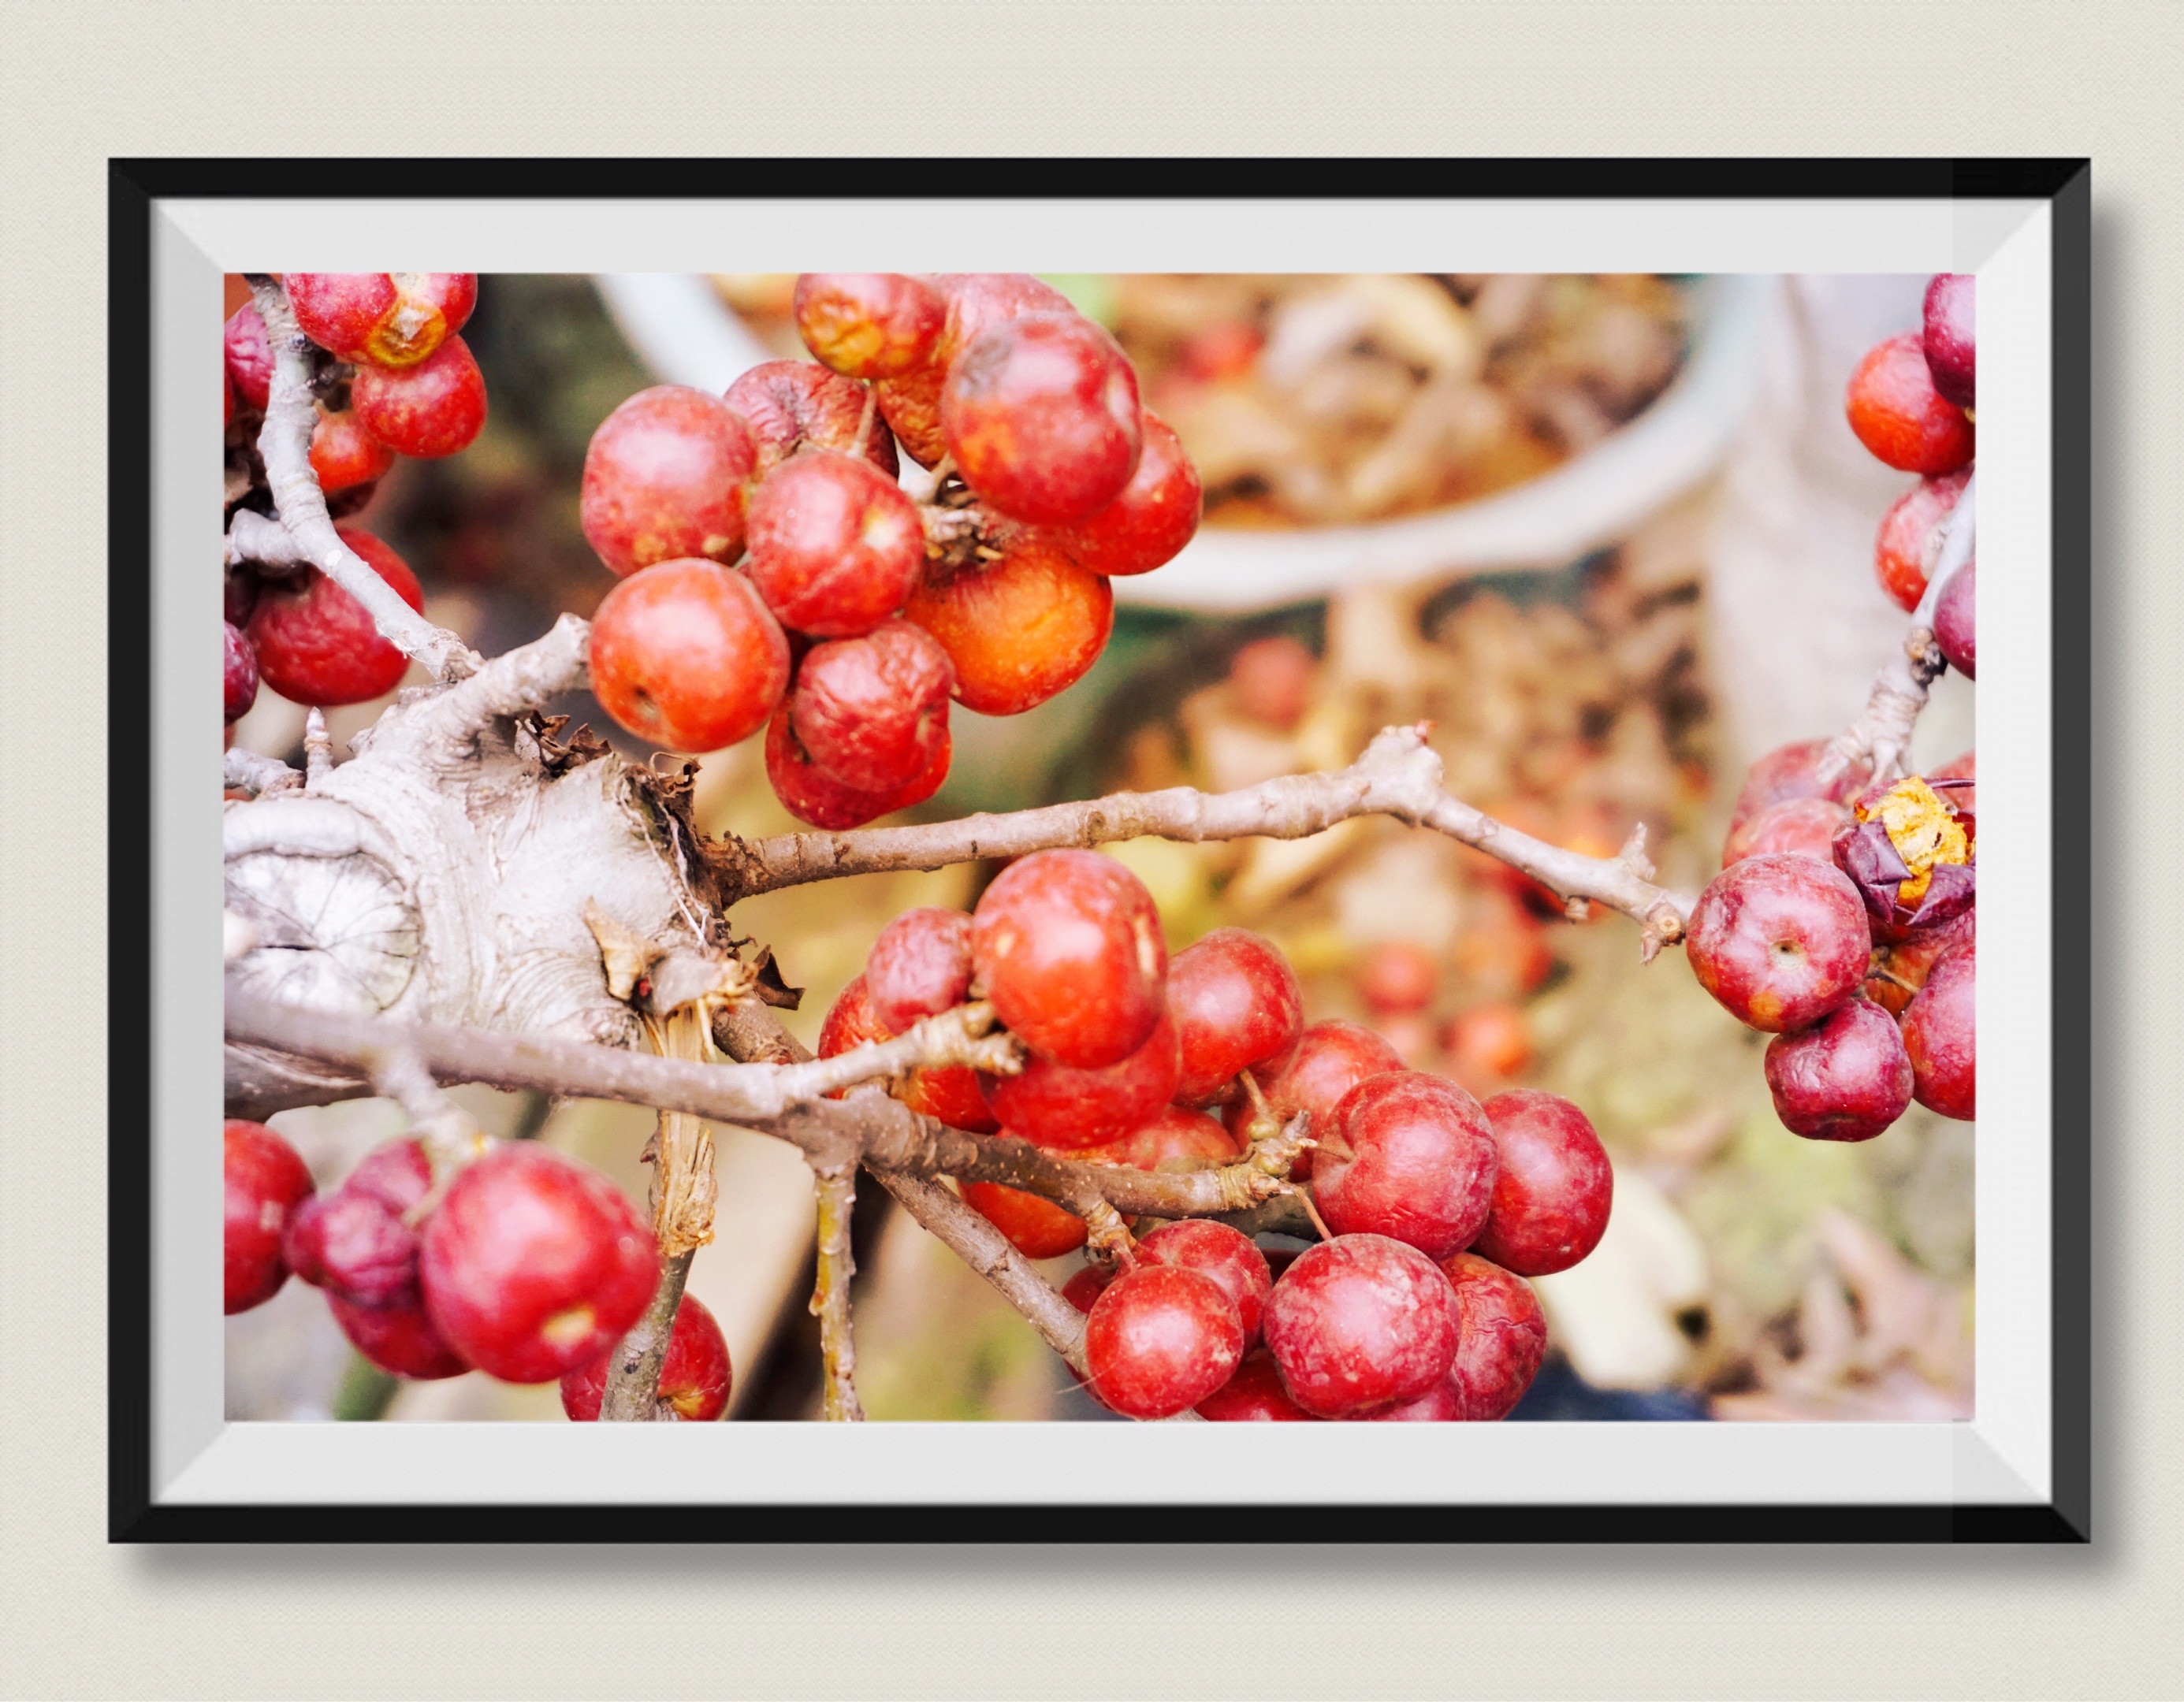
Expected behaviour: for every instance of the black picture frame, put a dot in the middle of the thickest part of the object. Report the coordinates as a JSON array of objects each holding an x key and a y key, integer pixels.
[{"x": 136, "y": 184}]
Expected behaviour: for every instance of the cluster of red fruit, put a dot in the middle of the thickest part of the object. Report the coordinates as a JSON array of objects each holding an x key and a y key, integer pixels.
[
  {"x": 415, "y": 390},
  {"x": 1437, "y": 1206},
  {"x": 775, "y": 574},
  {"x": 1910, "y": 402},
  {"x": 1844, "y": 923},
  {"x": 527, "y": 1266}
]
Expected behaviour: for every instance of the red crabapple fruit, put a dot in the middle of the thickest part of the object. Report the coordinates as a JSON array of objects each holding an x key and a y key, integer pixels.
[
  {"x": 789, "y": 404},
  {"x": 238, "y": 673},
  {"x": 1254, "y": 1395},
  {"x": 1068, "y": 945},
  {"x": 1940, "y": 1035},
  {"x": 1553, "y": 1188},
  {"x": 1954, "y": 630},
  {"x": 1802, "y": 826},
  {"x": 1899, "y": 415},
  {"x": 686, "y": 656},
  {"x": 1041, "y": 415},
  {"x": 250, "y": 357},
  {"x": 1503, "y": 1336},
  {"x": 1904, "y": 548},
  {"x": 1059, "y": 1107},
  {"x": 399, "y": 1336},
  {"x": 1792, "y": 771},
  {"x": 1175, "y": 1140},
  {"x": 262, "y": 1182},
  {"x": 1331, "y": 1058},
  {"x": 872, "y": 711},
  {"x": 344, "y": 455},
  {"x": 1225, "y": 1254},
  {"x": 1845, "y": 1079},
  {"x": 1780, "y": 941},
  {"x": 665, "y": 478},
  {"x": 849, "y": 1022},
  {"x": 870, "y": 325},
  {"x": 1235, "y": 1003},
  {"x": 1037, "y": 1228},
  {"x": 535, "y": 1264},
  {"x": 835, "y": 545},
  {"x": 433, "y": 408},
  {"x": 1019, "y": 630},
  {"x": 919, "y": 967},
  {"x": 1360, "y": 1322},
  {"x": 1488, "y": 1044},
  {"x": 317, "y": 644},
  {"x": 695, "y": 1377},
  {"x": 1159, "y": 1340},
  {"x": 812, "y": 795},
  {"x": 353, "y": 1241},
  {"x": 1398, "y": 975},
  {"x": 381, "y": 319},
  {"x": 1409, "y": 1156},
  {"x": 948, "y": 1093},
  {"x": 1148, "y": 524},
  {"x": 1949, "y": 338}
]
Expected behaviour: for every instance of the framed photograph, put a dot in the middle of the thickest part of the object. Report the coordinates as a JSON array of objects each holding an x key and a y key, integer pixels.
[{"x": 1346, "y": 791}]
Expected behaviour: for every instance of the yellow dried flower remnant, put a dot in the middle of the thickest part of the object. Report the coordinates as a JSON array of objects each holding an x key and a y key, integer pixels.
[{"x": 1924, "y": 830}]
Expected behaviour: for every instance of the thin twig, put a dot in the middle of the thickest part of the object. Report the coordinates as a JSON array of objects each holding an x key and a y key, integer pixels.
[
  {"x": 1883, "y": 729},
  {"x": 284, "y": 444},
  {"x": 1399, "y": 774},
  {"x": 248, "y": 771},
  {"x": 836, "y": 1187},
  {"x": 318, "y": 748},
  {"x": 632, "y": 1390}
]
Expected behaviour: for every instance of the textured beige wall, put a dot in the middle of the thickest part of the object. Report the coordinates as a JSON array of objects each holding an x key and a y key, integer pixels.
[{"x": 80, "y": 83}]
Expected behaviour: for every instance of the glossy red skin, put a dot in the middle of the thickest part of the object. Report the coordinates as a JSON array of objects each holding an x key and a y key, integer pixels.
[
  {"x": 1041, "y": 415},
  {"x": 1949, "y": 338},
  {"x": 835, "y": 545},
  {"x": 1899, "y": 549},
  {"x": 695, "y": 1377},
  {"x": 1553, "y": 1188},
  {"x": 1398, "y": 975},
  {"x": 1360, "y": 1322},
  {"x": 262, "y": 1182},
  {"x": 951, "y": 1094},
  {"x": 1331, "y": 1057},
  {"x": 686, "y": 656},
  {"x": 1790, "y": 771},
  {"x": 1085, "y": 1288},
  {"x": 1175, "y": 1140},
  {"x": 381, "y": 318},
  {"x": 1019, "y": 630},
  {"x": 249, "y": 356},
  {"x": 812, "y": 795},
  {"x": 1157, "y": 514},
  {"x": 1487, "y": 1045},
  {"x": 316, "y": 644},
  {"x": 344, "y": 455},
  {"x": 1954, "y": 621},
  {"x": 1254, "y": 1395},
  {"x": 1409, "y": 1156},
  {"x": 1440, "y": 1404},
  {"x": 1235, "y": 1003},
  {"x": 534, "y": 1264},
  {"x": 1159, "y": 1340},
  {"x": 848, "y": 1022},
  {"x": 1271, "y": 679},
  {"x": 1503, "y": 1338},
  {"x": 870, "y": 325},
  {"x": 1910, "y": 960},
  {"x": 433, "y": 408},
  {"x": 1802, "y": 826},
  {"x": 1068, "y": 945},
  {"x": 910, "y": 405},
  {"x": 1897, "y": 415},
  {"x": 1845, "y": 1079},
  {"x": 871, "y": 712},
  {"x": 789, "y": 404},
  {"x": 1225, "y": 1254},
  {"x": 1780, "y": 941},
  {"x": 973, "y": 302},
  {"x": 1061, "y": 1108},
  {"x": 352, "y": 1241},
  {"x": 399, "y": 1337},
  {"x": 665, "y": 477},
  {"x": 1941, "y": 1035},
  {"x": 919, "y": 966},
  {"x": 1037, "y": 1228},
  {"x": 238, "y": 673}
]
